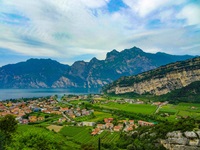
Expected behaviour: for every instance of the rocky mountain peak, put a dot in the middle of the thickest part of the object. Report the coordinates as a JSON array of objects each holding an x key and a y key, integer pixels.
[
  {"x": 94, "y": 60},
  {"x": 111, "y": 55},
  {"x": 77, "y": 63},
  {"x": 134, "y": 49}
]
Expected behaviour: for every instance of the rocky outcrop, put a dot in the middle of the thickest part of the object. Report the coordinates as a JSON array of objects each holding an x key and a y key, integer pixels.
[
  {"x": 189, "y": 140},
  {"x": 159, "y": 81}
]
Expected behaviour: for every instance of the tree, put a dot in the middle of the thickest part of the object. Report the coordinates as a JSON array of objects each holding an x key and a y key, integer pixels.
[
  {"x": 37, "y": 139},
  {"x": 2, "y": 140},
  {"x": 8, "y": 125},
  {"x": 87, "y": 147}
]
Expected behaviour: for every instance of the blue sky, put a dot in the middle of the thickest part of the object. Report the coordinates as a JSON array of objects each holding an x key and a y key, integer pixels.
[{"x": 70, "y": 30}]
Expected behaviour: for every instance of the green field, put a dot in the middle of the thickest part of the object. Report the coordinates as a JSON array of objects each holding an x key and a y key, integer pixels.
[
  {"x": 170, "y": 109},
  {"x": 135, "y": 108},
  {"x": 99, "y": 116},
  {"x": 23, "y": 129},
  {"x": 182, "y": 109},
  {"x": 83, "y": 135}
]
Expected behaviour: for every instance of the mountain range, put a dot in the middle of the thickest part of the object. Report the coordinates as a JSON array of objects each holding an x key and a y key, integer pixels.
[
  {"x": 161, "y": 80},
  {"x": 47, "y": 73}
]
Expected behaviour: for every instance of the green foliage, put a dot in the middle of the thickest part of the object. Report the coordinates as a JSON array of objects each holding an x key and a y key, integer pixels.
[
  {"x": 2, "y": 140},
  {"x": 37, "y": 139},
  {"x": 87, "y": 147},
  {"x": 190, "y": 93},
  {"x": 8, "y": 125}
]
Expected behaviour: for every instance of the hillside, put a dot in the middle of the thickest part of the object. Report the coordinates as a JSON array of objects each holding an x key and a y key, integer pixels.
[
  {"x": 158, "y": 81},
  {"x": 190, "y": 93},
  {"x": 46, "y": 73}
]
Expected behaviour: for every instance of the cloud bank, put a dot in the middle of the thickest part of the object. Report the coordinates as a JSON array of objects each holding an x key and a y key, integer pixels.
[{"x": 70, "y": 30}]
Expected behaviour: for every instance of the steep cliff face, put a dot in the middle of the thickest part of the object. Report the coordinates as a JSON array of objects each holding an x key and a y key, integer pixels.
[
  {"x": 46, "y": 73},
  {"x": 159, "y": 81},
  {"x": 177, "y": 140}
]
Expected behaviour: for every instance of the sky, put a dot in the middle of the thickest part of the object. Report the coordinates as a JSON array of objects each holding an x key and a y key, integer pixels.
[{"x": 71, "y": 30}]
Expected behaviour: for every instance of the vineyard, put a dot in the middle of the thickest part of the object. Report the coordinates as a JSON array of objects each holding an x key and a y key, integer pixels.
[
  {"x": 182, "y": 109},
  {"x": 134, "y": 108},
  {"x": 82, "y": 135}
]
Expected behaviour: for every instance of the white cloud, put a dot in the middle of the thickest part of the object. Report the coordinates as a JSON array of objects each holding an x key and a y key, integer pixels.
[
  {"x": 95, "y": 3},
  {"x": 191, "y": 13},
  {"x": 171, "y": 41},
  {"x": 67, "y": 29},
  {"x": 68, "y": 26},
  {"x": 145, "y": 7}
]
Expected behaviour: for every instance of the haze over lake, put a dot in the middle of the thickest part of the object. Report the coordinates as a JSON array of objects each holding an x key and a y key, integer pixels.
[{"x": 28, "y": 93}]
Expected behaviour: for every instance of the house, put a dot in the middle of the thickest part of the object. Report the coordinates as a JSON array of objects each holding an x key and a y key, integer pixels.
[
  {"x": 88, "y": 123},
  {"x": 32, "y": 118},
  {"x": 108, "y": 120},
  {"x": 24, "y": 121},
  {"x": 72, "y": 116},
  {"x": 41, "y": 118},
  {"x": 125, "y": 122},
  {"x": 101, "y": 126},
  {"x": 128, "y": 129},
  {"x": 27, "y": 110},
  {"x": 5, "y": 113},
  {"x": 46, "y": 111},
  {"x": 109, "y": 125},
  {"x": 61, "y": 120},
  {"x": 9, "y": 104},
  {"x": 36, "y": 109},
  {"x": 21, "y": 113},
  {"x": 2, "y": 107},
  {"x": 144, "y": 123},
  {"x": 157, "y": 103},
  {"x": 95, "y": 131},
  {"x": 131, "y": 121},
  {"x": 56, "y": 112},
  {"x": 78, "y": 114},
  {"x": 117, "y": 128}
]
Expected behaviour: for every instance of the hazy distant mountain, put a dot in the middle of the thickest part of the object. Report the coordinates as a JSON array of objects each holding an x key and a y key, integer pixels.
[
  {"x": 161, "y": 80},
  {"x": 47, "y": 73}
]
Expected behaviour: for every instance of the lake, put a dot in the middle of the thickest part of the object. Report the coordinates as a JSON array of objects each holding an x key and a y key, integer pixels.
[{"x": 29, "y": 93}]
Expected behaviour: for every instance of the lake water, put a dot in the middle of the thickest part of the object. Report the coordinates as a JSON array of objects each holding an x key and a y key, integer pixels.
[{"x": 29, "y": 93}]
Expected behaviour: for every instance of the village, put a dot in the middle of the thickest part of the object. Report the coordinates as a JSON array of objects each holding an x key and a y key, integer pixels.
[{"x": 69, "y": 114}]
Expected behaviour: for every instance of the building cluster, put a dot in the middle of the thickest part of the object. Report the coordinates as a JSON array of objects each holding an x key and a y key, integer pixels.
[
  {"x": 20, "y": 109},
  {"x": 124, "y": 101},
  {"x": 122, "y": 126},
  {"x": 160, "y": 103},
  {"x": 77, "y": 112},
  {"x": 51, "y": 106}
]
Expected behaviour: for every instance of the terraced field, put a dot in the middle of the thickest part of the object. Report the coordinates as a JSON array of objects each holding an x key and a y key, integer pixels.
[{"x": 82, "y": 135}]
